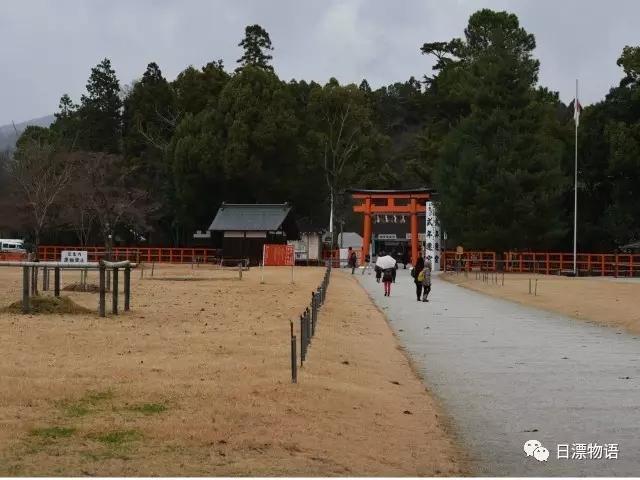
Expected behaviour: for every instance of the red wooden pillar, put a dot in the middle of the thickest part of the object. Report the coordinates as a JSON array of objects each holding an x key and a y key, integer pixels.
[
  {"x": 414, "y": 232},
  {"x": 366, "y": 230},
  {"x": 547, "y": 263}
]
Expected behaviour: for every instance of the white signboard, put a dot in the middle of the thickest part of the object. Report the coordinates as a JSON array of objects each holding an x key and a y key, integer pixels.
[
  {"x": 74, "y": 256},
  {"x": 432, "y": 237}
]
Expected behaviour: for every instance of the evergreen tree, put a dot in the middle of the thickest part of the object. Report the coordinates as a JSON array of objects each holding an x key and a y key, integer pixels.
[
  {"x": 101, "y": 111},
  {"x": 67, "y": 122},
  {"x": 196, "y": 89},
  {"x": 256, "y": 43},
  {"x": 499, "y": 169}
]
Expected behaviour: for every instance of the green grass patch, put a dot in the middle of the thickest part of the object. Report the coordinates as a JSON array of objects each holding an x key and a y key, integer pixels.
[
  {"x": 76, "y": 410},
  {"x": 97, "y": 396},
  {"x": 118, "y": 437},
  {"x": 53, "y": 433},
  {"x": 148, "y": 408},
  {"x": 89, "y": 403}
]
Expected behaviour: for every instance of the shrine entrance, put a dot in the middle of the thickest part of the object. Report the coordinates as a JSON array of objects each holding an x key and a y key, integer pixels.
[{"x": 391, "y": 206}]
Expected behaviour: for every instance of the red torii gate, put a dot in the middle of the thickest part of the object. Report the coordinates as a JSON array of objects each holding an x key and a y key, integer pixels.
[{"x": 398, "y": 202}]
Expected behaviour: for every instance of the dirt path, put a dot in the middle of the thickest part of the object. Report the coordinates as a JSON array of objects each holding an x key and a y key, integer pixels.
[
  {"x": 195, "y": 380},
  {"x": 606, "y": 301}
]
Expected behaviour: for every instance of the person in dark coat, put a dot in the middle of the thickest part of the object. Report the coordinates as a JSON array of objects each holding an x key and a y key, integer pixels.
[
  {"x": 417, "y": 268},
  {"x": 378, "y": 269},
  {"x": 353, "y": 260}
]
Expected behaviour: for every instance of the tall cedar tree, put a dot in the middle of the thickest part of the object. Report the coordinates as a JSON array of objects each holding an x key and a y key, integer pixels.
[
  {"x": 101, "y": 111},
  {"x": 499, "y": 169},
  {"x": 256, "y": 43}
]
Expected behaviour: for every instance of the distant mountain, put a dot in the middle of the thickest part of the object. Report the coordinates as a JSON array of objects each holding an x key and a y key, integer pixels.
[{"x": 8, "y": 135}]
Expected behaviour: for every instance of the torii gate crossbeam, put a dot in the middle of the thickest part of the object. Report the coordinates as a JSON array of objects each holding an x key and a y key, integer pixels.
[{"x": 399, "y": 202}]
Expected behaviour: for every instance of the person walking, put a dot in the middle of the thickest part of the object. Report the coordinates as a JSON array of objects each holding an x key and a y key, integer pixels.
[
  {"x": 353, "y": 260},
  {"x": 416, "y": 272},
  {"x": 387, "y": 279},
  {"x": 367, "y": 264},
  {"x": 426, "y": 281}
]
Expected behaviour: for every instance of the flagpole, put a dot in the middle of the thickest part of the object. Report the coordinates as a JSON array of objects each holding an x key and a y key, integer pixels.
[{"x": 575, "y": 187}]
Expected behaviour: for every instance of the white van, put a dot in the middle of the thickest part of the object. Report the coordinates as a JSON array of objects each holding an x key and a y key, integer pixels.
[{"x": 9, "y": 245}]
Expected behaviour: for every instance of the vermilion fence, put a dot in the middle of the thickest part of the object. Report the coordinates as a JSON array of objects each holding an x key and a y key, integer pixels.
[
  {"x": 549, "y": 263},
  {"x": 136, "y": 254},
  {"x": 471, "y": 260}
]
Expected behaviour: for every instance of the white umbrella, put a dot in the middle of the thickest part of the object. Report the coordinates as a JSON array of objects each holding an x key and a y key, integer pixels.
[{"x": 386, "y": 262}]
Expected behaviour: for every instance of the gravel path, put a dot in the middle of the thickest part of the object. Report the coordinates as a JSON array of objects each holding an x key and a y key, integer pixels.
[{"x": 506, "y": 373}]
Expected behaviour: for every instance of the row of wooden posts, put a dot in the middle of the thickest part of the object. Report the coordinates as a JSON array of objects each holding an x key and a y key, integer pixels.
[
  {"x": 308, "y": 322},
  {"x": 107, "y": 271}
]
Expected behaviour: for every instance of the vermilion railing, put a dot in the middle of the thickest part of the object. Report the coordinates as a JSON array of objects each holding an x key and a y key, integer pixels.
[
  {"x": 470, "y": 260},
  {"x": 550, "y": 263},
  {"x": 12, "y": 256},
  {"x": 136, "y": 254}
]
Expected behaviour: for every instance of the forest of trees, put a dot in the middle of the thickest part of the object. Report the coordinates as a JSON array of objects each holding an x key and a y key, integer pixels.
[{"x": 154, "y": 161}]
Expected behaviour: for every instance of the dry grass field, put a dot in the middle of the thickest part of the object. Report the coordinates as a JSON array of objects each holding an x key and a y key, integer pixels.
[
  {"x": 607, "y": 301},
  {"x": 195, "y": 380}
]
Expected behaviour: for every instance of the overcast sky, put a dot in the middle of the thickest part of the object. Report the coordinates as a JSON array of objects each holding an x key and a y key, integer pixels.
[{"x": 48, "y": 47}]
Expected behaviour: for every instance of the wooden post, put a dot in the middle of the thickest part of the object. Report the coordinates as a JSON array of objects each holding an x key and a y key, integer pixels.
[
  {"x": 26, "y": 273},
  {"x": 45, "y": 273},
  {"x": 34, "y": 281},
  {"x": 114, "y": 292},
  {"x": 127, "y": 287},
  {"x": 56, "y": 282},
  {"x": 294, "y": 361},
  {"x": 101, "y": 306}
]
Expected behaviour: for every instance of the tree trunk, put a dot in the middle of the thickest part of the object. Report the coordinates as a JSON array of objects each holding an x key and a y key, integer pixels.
[{"x": 331, "y": 218}]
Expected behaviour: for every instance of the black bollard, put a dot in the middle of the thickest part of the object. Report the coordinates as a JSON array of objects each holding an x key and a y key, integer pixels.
[
  {"x": 303, "y": 342},
  {"x": 127, "y": 288},
  {"x": 294, "y": 361},
  {"x": 114, "y": 292},
  {"x": 56, "y": 282},
  {"x": 101, "y": 305},
  {"x": 26, "y": 274}
]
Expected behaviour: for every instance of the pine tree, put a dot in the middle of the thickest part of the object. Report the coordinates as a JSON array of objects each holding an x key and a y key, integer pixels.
[
  {"x": 256, "y": 43},
  {"x": 101, "y": 111}
]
